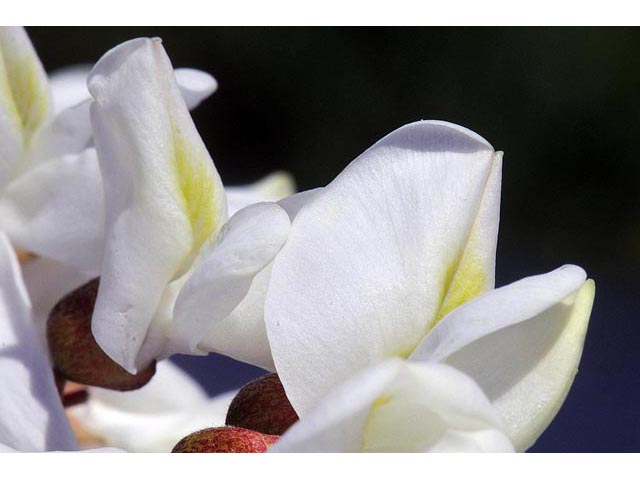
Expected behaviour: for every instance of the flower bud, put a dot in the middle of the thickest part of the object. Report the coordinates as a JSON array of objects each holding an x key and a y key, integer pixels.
[
  {"x": 262, "y": 405},
  {"x": 75, "y": 354},
  {"x": 225, "y": 440}
]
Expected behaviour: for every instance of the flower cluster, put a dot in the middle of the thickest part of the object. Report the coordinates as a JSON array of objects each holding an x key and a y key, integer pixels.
[{"x": 371, "y": 300}]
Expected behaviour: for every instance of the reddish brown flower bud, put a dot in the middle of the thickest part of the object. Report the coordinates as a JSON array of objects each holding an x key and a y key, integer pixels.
[
  {"x": 225, "y": 440},
  {"x": 76, "y": 355},
  {"x": 263, "y": 406}
]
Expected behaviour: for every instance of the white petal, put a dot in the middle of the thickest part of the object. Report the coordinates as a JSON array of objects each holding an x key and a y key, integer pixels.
[
  {"x": 294, "y": 204},
  {"x": 153, "y": 418},
  {"x": 69, "y": 86},
  {"x": 230, "y": 335},
  {"x": 522, "y": 343},
  {"x": 246, "y": 245},
  {"x": 195, "y": 85},
  {"x": 271, "y": 188},
  {"x": 400, "y": 407},
  {"x": 31, "y": 414},
  {"x": 406, "y": 233},
  {"x": 69, "y": 132},
  {"x": 25, "y": 102},
  {"x": 337, "y": 423},
  {"x": 242, "y": 335},
  {"x": 433, "y": 407},
  {"x": 163, "y": 197},
  {"x": 56, "y": 210},
  {"x": 158, "y": 396}
]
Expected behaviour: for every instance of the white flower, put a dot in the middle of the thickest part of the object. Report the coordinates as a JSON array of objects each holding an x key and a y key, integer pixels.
[
  {"x": 400, "y": 406},
  {"x": 396, "y": 257},
  {"x": 51, "y": 191},
  {"x": 51, "y": 200},
  {"x": 165, "y": 205}
]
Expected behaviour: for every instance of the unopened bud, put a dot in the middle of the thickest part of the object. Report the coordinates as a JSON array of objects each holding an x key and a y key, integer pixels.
[
  {"x": 76, "y": 355},
  {"x": 262, "y": 405},
  {"x": 225, "y": 440}
]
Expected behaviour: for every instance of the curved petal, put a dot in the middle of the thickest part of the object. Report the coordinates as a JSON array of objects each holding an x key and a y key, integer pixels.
[
  {"x": 433, "y": 407},
  {"x": 56, "y": 210},
  {"x": 195, "y": 85},
  {"x": 400, "y": 407},
  {"x": 246, "y": 245},
  {"x": 271, "y": 188},
  {"x": 522, "y": 343},
  {"x": 153, "y": 418},
  {"x": 25, "y": 103},
  {"x": 163, "y": 197},
  {"x": 31, "y": 414},
  {"x": 404, "y": 234},
  {"x": 229, "y": 336},
  {"x": 242, "y": 335}
]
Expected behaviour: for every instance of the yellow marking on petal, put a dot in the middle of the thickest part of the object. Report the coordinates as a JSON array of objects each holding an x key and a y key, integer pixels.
[
  {"x": 464, "y": 280},
  {"x": 24, "y": 92},
  {"x": 6, "y": 94},
  {"x": 383, "y": 400},
  {"x": 380, "y": 401},
  {"x": 196, "y": 184}
]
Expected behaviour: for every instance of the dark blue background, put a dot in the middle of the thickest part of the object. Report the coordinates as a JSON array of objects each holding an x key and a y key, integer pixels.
[{"x": 564, "y": 105}]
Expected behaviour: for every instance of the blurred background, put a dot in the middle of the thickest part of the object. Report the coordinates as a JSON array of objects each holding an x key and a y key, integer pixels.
[{"x": 562, "y": 103}]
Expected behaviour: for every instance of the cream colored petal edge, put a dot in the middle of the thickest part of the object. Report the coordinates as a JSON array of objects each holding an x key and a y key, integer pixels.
[
  {"x": 527, "y": 368},
  {"x": 498, "y": 309},
  {"x": 552, "y": 378},
  {"x": 163, "y": 197}
]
